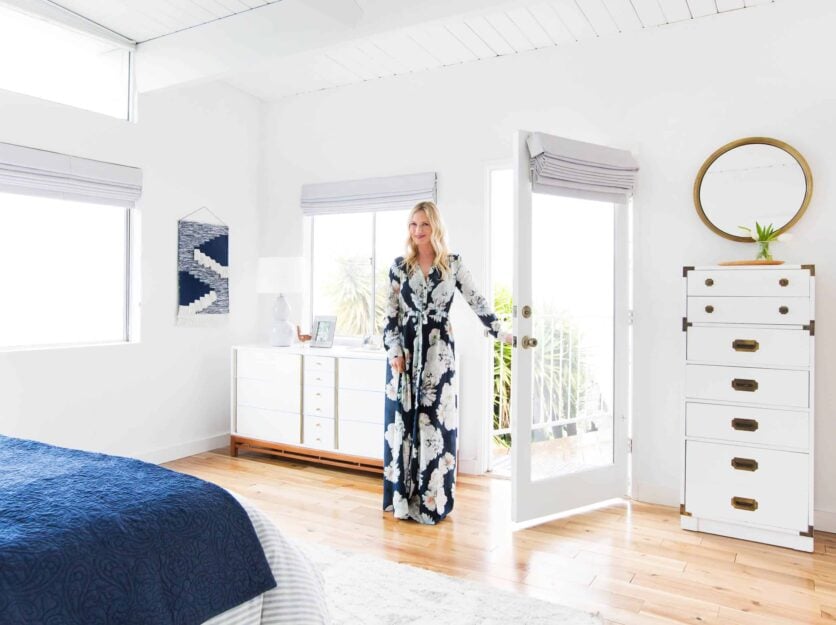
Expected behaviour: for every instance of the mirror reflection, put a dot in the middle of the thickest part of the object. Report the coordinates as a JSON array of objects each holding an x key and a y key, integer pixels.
[{"x": 751, "y": 180}]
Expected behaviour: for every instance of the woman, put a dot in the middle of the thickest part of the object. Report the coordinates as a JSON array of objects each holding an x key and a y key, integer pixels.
[{"x": 421, "y": 404}]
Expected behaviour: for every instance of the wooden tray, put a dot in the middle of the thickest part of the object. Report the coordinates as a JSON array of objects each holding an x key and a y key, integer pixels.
[{"x": 736, "y": 263}]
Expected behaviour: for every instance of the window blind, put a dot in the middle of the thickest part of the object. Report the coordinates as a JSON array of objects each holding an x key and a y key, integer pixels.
[
  {"x": 561, "y": 166},
  {"x": 31, "y": 171},
  {"x": 368, "y": 194}
]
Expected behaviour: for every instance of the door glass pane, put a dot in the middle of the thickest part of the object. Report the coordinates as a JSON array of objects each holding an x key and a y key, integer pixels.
[
  {"x": 342, "y": 271},
  {"x": 572, "y": 301}
]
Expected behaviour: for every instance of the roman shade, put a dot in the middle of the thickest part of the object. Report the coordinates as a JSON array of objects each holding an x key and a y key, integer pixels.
[
  {"x": 31, "y": 171},
  {"x": 561, "y": 166},
  {"x": 368, "y": 194}
]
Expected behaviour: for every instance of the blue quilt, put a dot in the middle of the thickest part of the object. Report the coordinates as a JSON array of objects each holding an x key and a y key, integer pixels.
[{"x": 91, "y": 539}]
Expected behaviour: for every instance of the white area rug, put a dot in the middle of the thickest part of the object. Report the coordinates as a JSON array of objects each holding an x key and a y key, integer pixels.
[{"x": 363, "y": 590}]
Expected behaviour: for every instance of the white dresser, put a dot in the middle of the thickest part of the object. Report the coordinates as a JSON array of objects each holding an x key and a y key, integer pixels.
[
  {"x": 748, "y": 408},
  {"x": 324, "y": 405}
]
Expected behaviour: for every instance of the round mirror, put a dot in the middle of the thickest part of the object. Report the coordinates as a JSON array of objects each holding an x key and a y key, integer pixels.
[{"x": 750, "y": 180}]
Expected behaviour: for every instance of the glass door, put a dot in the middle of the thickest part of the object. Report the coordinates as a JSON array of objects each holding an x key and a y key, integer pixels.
[{"x": 569, "y": 378}]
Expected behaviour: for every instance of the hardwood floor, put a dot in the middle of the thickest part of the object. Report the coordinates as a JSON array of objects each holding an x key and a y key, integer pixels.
[{"x": 629, "y": 561}]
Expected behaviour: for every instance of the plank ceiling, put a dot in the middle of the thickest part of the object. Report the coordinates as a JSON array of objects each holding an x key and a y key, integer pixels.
[{"x": 526, "y": 25}]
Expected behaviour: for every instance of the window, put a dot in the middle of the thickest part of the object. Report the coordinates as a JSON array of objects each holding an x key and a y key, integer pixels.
[
  {"x": 65, "y": 272},
  {"x": 61, "y": 64},
  {"x": 351, "y": 255}
]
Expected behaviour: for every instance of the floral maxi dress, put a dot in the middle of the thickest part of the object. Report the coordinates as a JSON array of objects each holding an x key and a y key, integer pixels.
[{"x": 421, "y": 419}]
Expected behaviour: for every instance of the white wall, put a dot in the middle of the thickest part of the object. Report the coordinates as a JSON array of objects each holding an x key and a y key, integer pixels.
[
  {"x": 167, "y": 396},
  {"x": 671, "y": 95}
]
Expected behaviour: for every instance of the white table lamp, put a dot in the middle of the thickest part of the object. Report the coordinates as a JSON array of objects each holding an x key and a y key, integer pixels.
[{"x": 280, "y": 275}]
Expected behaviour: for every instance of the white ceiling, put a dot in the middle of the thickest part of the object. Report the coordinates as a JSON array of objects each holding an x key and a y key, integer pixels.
[{"x": 275, "y": 49}]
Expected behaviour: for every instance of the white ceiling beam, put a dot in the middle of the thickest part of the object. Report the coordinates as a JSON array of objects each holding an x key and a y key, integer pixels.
[
  {"x": 55, "y": 13},
  {"x": 260, "y": 37}
]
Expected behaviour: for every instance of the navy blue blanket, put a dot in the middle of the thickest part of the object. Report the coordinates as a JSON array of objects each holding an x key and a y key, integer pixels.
[{"x": 88, "y": 539}]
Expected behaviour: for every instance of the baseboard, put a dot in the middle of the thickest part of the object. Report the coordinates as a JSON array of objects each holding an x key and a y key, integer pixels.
[
  {"x": 656, "y": 493},
  {"x": 469, "y": 466},
  {"x": 824, "y": 521},
  {"x": 167, "y": 454}
]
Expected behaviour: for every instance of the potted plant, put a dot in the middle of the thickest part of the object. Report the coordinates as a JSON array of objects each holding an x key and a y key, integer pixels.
[{"x": 763, "y": 236}]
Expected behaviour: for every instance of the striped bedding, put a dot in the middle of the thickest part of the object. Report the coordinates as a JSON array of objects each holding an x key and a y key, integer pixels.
[{"x": 297, "y": 599}]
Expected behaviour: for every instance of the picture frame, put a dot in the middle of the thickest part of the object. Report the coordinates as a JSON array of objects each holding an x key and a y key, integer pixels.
[{"x": 322, "y": 332}]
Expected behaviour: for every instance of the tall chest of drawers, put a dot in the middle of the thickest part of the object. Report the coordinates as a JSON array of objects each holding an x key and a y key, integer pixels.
[{"x": 748, "y": 405}]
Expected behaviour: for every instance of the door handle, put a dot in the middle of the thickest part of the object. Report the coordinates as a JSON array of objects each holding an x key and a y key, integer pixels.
[{"x": 529, "y": 342}]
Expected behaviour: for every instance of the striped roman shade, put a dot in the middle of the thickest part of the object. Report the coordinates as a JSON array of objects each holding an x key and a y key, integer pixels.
[
  {"x": 368, "y": 194},
  {"x": 561, "y": 166},
  {"x": 30, "y": 171}
]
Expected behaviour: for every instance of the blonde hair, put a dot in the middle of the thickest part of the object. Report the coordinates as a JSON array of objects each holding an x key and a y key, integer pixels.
[{"x": 438, "y": 239}]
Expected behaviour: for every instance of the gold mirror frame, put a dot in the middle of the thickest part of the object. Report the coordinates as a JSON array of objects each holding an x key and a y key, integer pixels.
[{"x": 805, "y": 167}]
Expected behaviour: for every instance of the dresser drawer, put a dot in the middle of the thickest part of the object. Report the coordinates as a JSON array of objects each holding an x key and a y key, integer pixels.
[
  {"x": 775, "y": 494},
  {"x": 362, "y": 374},
  {"x": 315, "y": 377},
  {"x": 322, "y": 364},
  {"x": 744, "y": 282},
  {"x": 361, "y": 439},
  {"x": 755, "y": 386},
  {"x": 765, "y": 310},
  {"x": 265, "y": 364},
  {"x": 319, "y": 401},
  {"x": 269, "y": 425},
  {"x": 749, "y": 347},
  {"x": 744, "y": 424},
  {"x": 319, "y": 432},
  {"x": 268, "y": 395},
  {"x": 366, "y": 406}
]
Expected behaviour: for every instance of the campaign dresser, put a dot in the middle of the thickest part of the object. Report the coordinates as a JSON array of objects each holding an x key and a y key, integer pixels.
[{"x": 748, "y": 403}]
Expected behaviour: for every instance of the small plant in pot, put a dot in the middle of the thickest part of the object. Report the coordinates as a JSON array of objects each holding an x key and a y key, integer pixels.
[{"x": 763, "y": 236}]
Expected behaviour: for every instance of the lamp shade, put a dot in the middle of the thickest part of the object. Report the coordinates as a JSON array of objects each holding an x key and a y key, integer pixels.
[{"x": 280, "y": 274}]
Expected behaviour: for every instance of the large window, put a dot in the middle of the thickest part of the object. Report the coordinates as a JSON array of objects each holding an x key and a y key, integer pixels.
[
  {"x": 350, "y": 259},
  {"x": 64, "y": 268},
  {"x": 56, "y": 63}
]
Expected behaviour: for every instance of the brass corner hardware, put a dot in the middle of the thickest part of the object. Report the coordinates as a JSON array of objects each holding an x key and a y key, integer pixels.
[
  {"x": 683, "y": 511},
  {"x": 811, "y": 269},
  {"x": 686, "y": 324},
  {"x": 808, "y": 533},
  {"x": 685, "y": 271},
  {"x": 811, "y": 327}
]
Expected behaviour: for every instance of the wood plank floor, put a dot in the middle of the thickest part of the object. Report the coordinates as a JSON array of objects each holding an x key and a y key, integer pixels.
[{"x": 629, "y": 561}]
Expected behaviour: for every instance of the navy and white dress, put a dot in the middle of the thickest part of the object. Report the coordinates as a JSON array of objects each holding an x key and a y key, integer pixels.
[{"x": 421, "y": 421}]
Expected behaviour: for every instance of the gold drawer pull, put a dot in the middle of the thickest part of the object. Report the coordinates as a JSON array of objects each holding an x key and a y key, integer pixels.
[
  {"x": 317, "y": 425},
  {"x": 745, "y": 345},
  {"x": 783, "y": 282},
  {"x": 740, "y": 384},
  {"x": 744, "y": 425},
  {"x": 742, "y": 503},
  {"x": 709, "y": 309},
  {"x": 783, "y": 310},
  {"x": 317, "y": 394},
  {"x": 709, "y": 282},
  {"x": 744, "y": 464}
]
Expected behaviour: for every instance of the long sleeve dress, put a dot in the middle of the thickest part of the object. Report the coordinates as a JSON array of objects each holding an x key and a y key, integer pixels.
[{"x": 421, "y": 418}]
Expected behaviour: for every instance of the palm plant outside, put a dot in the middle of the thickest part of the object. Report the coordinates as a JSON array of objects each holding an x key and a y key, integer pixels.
[
  {"x": 562, "y": 377},
  {"x": 350, "y": 291}
]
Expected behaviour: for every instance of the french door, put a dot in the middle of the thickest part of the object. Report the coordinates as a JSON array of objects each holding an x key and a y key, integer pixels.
[{"x": 569, "y": 381}]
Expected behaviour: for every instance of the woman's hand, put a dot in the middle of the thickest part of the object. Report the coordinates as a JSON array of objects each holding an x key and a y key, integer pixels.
[
  {"x": 508, "y": 339},
  {"x": 398, "y": 364}
]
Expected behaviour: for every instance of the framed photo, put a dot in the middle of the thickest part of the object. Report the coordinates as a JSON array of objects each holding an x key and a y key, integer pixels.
[{"x": 322, "y": 333}]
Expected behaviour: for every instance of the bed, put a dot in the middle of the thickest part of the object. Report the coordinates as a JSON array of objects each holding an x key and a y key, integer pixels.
[{"x": 89, "y": 538}]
